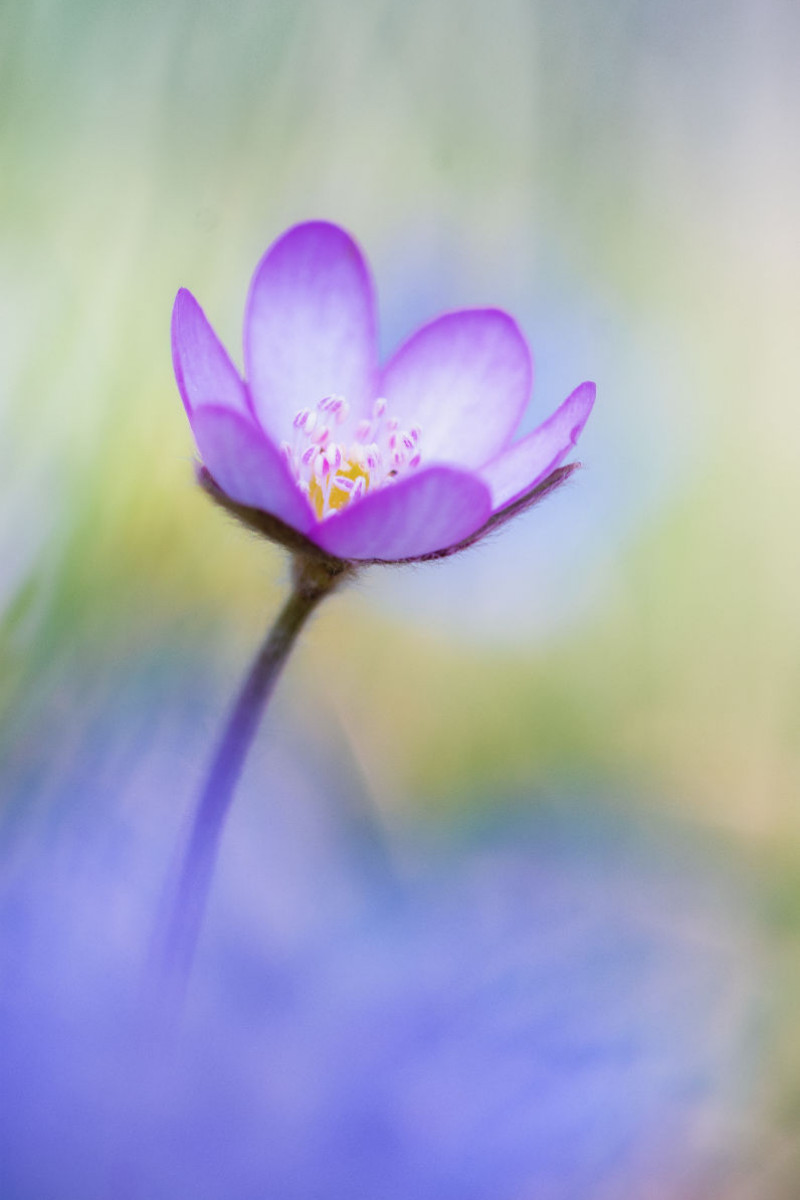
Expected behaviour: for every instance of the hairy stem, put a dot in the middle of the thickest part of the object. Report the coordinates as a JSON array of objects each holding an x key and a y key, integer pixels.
[{"x": 176, "y": 945}]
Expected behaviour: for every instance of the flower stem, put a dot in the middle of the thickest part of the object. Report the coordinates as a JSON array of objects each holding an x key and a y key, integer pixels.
[{"x": 311, "y": 582}]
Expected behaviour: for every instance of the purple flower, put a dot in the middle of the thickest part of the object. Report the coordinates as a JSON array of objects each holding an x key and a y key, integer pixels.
[{"x": 321, "y": 445}]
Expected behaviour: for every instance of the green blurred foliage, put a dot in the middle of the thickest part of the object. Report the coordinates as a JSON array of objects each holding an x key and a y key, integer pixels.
[{"x": 153, "y": 145}]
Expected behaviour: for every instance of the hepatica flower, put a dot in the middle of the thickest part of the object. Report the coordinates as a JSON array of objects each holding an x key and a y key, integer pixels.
[
  {"x": 366, "y": 463},
  {"x": 346, "y": 462}
]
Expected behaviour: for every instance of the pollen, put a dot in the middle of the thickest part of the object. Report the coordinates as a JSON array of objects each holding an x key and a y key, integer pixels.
[
  {"x": 336, "y": 460},
  {"x": 341, "y": 490}
]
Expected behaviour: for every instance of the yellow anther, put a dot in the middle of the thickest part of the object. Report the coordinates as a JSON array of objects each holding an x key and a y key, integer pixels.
[{"x": 337, "y": 497}]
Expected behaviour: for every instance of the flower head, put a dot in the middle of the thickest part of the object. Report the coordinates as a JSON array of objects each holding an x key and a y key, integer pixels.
[{"x": 320, "y": 447}]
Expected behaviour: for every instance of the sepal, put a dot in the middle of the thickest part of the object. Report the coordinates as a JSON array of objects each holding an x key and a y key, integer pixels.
[{"x": 275, "y": 530}]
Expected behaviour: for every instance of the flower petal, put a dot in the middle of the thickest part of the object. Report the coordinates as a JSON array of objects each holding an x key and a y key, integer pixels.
[
  {"x": 204, "y": 372},
  {"x": 465, "y": 379},
  {"x": 310, "y": 326},
  {"x": 524, "y": 464},
  {"x": 248, "y": 466},
  {"x": 424, "y": 512}
]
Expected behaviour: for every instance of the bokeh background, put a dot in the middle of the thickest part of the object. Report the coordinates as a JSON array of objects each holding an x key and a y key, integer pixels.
[{"x": 622, "y": 665}]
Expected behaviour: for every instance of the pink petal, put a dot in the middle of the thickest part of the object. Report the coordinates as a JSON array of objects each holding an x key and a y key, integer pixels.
[
  {"x": 310, "y": 327},
  {"x": 204, "y": 372},
  {"x": 248, "y": 467},
  {"x": 427, "y": 511},
  {"x": 525, "y": 464},
  {"x": 465, "y": 379}
]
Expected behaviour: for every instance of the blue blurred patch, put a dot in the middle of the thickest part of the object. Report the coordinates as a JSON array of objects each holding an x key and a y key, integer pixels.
[{"x": 546, "y": 1003}]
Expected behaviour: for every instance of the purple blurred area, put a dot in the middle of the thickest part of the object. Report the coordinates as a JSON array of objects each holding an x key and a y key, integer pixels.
[{"x": 547, "y": 1001}]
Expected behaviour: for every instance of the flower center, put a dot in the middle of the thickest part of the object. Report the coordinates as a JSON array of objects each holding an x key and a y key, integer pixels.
[{"x": 335, "y": 466}]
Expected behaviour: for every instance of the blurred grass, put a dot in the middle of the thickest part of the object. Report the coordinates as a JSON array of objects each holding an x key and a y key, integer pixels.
[{"x": 157, "y": 145}]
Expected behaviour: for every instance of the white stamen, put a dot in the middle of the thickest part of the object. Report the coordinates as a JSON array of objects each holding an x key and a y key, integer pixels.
[{"x": 378, "y": 452}]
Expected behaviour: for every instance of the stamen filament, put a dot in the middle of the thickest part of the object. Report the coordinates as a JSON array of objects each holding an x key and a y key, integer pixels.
[{"x": 377, "y": 452}]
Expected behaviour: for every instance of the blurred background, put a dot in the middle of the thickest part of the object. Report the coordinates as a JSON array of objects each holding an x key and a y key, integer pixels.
[{"x": 624, "y": 178}]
